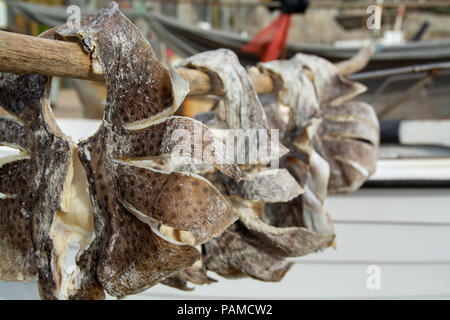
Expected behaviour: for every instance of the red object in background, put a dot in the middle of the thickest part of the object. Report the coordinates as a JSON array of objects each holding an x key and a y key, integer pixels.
[
  {"x": 170, "y": 53},
  {"x": 269, "y": 42}
]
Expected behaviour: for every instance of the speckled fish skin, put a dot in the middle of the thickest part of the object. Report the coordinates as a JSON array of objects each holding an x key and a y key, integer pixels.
[
  {"x": 127, "y": 256},
  {"x": 331, "y": 88},
  {"x": 268, "y": 185},
  {"x": 190, "y": 275},
  {"x": 296, "y": 91},
  {"x": 243, "y": 109},
  {"x": 289, "y": 241},
  {"x": 348, "y": 137},
  {"x": 33, "y": 185},
  {"x": 252, "y": 247},
  {"x": 313, "y": 173},
  {"x": 349, "y": 134},
  {"x": 233, "y": 255},
  {"x": 349, "y": 141}
]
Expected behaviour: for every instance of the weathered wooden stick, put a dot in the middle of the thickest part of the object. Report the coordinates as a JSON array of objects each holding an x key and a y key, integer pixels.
[
  {"x": 199, "y": 82},
  {"x": 23, "y": 54},
  {"x": 263, "y": 83}
]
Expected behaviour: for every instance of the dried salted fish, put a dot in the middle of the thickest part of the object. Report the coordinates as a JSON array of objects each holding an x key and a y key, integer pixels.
[
  {"x": 252, "y": 247},
  {"x": 349, "y": 141},
  {"x": 118, "y": 226},
  {"x": 234, "y": 256},
  {"x": 32, "y": 183},
  {"x": 242, "y": 107},
  {"x": 309, "y": 168},
  {"x": 331, "y": 88},
  {"x": 348, "y": 136}
]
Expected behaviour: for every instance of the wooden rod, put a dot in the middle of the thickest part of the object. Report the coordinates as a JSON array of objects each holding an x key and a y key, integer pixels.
[
  {"x": 199, "y": 82},
  {"x": 262, "y": 82},
  {"x": 23, "y": 54}
]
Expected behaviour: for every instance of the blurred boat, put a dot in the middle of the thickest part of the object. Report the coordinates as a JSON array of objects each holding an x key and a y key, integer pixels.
[{"x": 188, "y": 40}]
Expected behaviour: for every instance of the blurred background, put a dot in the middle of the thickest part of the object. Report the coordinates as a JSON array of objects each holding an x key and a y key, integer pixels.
[{"x": 411, "y": 33}]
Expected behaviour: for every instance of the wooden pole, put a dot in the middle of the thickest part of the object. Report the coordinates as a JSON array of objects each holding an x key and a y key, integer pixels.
[
  {"x": 23, "y": 54},
  {"x": 199, "y": 82}
]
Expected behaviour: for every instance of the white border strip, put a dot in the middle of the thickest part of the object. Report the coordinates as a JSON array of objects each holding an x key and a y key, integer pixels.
[{"x": 412, "y": 169}]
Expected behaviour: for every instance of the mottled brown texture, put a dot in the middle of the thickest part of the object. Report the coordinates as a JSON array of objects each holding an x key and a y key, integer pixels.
[
  {"x": 194, "y": 275},
  {"x": 309, "y": 168},
  {"x": 269, "y": 185},
  {"x": 242, "y": 107},
  {"x": 296, "y": 91},
  {"x": 127, "y": 255},
  {"x": 131, "y": 257},
  {"x": 115, "y": 40},
  {"x": 178, "y": 281},
  {"x": 289, "y": 241},
  {"x": 176, "y": 136},
  {"x": 252, "y": 247},
  {"x": 331, "y": 88},
  {"x": 313, "y": 173},
  {"x": 177, "y": 200},
  {"x": 234, "y": 255},
  {"x": 33, "y": 184},
  {"x": 348, "y": 136},
  {"x": 349, "y": 141}
]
